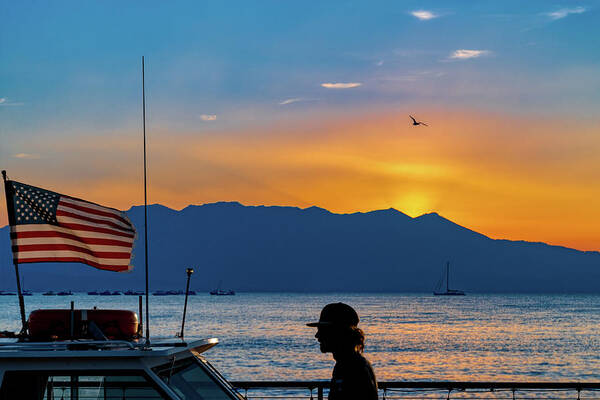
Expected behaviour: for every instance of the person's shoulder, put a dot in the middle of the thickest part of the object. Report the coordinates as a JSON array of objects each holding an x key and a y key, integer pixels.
[
  {"x": 361, "y": 362},
  {"x": 361, "y": 359},
  {"x": 365, "y": 376}
]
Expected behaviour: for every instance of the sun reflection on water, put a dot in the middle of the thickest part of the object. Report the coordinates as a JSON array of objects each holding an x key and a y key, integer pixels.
[{"x": 409, "y": 337}]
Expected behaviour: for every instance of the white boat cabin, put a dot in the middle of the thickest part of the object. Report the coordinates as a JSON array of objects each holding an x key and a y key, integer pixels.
[{"x": 114, "y": 369}]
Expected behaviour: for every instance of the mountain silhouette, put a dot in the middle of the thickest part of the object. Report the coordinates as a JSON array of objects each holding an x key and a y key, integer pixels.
[{"x": 260, "y": 248}]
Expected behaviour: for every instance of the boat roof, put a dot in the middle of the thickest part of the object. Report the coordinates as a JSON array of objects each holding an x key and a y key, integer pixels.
[{"x": 101, "y": 349}]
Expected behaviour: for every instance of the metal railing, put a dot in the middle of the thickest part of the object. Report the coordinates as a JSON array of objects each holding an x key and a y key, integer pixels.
[{"x": 443, "y": 390}]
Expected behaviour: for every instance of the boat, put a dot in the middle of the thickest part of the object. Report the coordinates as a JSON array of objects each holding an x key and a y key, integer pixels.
[
  {"x": 448, "y": 292},
  {"x": 25, "y": 292},
  {"x": 85, "y": 354},
  {"x": 49, "y": 293},
  {"x": 65, "y": 293},
  {"x": 133, "y": 293},
  {"x": 221, "y": 292}
]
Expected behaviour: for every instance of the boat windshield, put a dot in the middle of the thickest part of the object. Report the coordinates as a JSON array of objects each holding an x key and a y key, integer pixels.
[
  {"x": 78, "y": 385},
  {"x": 190, "y": 380}
]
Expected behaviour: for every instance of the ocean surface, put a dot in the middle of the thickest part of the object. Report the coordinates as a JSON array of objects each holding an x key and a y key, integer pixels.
[{"x": 409, "y": 336}]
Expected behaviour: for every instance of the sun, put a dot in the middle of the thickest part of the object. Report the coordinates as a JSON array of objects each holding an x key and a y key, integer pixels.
[{"x": 414, "y": 203}]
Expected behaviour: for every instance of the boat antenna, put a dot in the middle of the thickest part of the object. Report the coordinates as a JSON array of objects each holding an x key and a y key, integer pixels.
[
  {"x": 11, "y": 221},
  {"x": 189, "y": 272},
  {"x": 145, "y": 204}
]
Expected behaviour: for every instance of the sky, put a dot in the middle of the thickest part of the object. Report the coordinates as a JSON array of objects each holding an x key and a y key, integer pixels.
[{"x": 301, "y": 103}]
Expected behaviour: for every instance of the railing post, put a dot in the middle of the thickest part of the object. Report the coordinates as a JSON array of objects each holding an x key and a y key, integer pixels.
[{"x": 320, "y": 393}]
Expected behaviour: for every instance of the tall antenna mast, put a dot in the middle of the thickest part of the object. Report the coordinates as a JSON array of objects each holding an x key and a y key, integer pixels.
[{"x": 145, "y": 204}]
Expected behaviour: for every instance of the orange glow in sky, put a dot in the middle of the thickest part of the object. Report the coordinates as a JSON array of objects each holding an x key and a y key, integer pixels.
[{"x": 505, "y": 176}]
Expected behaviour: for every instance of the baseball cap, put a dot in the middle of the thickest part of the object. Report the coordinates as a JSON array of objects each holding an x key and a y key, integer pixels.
[{"x": 337, "y": 314}]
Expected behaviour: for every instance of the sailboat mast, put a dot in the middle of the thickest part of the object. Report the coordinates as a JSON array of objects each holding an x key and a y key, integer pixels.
[
  {"x": 145, "y": 204},
  {"x": 447, "y": 276}
]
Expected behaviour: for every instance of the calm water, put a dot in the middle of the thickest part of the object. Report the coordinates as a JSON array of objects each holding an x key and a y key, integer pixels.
[{"x": 409, "y": 337}]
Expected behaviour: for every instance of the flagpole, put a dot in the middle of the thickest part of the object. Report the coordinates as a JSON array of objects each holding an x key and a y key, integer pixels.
[
  {"x": 145, "y": 205},
  {"x": 11, "y": 222}
]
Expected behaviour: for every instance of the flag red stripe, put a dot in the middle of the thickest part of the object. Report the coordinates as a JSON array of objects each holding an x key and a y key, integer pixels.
[
  {"x": 92, "y": 210},
  {"x": 23, "y": 248},
  {"x": 80, "y": 227},
  {"x": 42, "y": 234},
  {"x": 64, "y": 206},
  {"x": 94, "y": 220},
  {"x": 107, "y": 267}
]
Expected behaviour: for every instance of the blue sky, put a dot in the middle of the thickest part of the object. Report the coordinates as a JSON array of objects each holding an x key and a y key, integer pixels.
[
  {"x": 301, "y": 73},
  {"x": 80, "y": 60}
]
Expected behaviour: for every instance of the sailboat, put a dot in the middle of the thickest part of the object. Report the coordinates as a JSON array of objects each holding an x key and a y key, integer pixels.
[
  {"x": 25, "y": 292},
  {"x": 220, "y": 292},
  {"x": 449, "y": 292}
]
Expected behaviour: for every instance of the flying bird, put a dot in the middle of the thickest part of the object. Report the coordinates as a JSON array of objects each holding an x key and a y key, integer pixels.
[{"x": 417, "y": 123}]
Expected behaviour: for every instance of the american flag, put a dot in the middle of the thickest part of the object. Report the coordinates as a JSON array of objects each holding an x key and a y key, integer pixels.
[{"x": 50, "y": 227}]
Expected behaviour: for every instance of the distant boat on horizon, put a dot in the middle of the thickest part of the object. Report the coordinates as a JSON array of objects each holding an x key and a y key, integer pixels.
[
  {"x": 449, "y": 292},
  {"x": 49, "y": 293},
  {"x": 221, "y": 292},
  {"x": 168, "y": 292},
  {"x": 134, "y": 293},
  {"x": 25, "y": 292}
]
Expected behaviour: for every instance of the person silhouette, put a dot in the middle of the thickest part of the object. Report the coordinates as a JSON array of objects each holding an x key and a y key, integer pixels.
[{"x": 338, "y": 333}]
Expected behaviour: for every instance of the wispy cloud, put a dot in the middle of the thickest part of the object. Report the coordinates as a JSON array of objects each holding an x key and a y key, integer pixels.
[
  {"x": 423, "y": 15},
  {"x": 290, "y": 101},
  {"x": 348, "y": 85},
  {"x": 466, "y": 54},
  {"x": 4, "y": 102},
  {"x": 27, "y": 156},
  {"x": 564, "y": 12},
  {"x": 379, "y": 63},
  {"x": 208, "y": 117}
]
